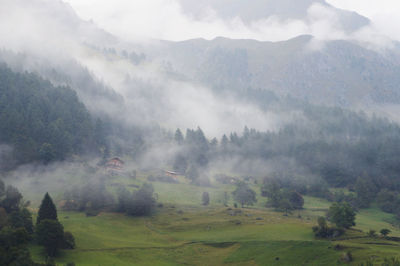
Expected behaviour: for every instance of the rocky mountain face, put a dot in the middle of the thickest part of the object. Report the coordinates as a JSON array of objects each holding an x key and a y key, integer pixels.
[{"x": 338, "y": 73}]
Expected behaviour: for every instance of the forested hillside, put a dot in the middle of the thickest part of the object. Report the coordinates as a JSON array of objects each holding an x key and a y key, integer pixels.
[{"x": 42, "y": 122}]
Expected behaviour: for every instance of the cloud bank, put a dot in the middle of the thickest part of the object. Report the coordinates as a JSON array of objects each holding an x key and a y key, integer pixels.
[{"x": 166, "y": 19}]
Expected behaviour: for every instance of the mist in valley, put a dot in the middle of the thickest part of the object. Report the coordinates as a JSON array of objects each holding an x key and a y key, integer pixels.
[
  {"x": 177, "y": 108},
  {"x": 250, "y": 114}
]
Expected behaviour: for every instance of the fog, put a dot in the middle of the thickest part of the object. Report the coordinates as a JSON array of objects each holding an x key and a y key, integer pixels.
[
  {"x": 52, "y": 33},
  {"x": 383, "y": 14},
  {"x": 50, "y": 36},
  {"x": 123, "y": 60}
]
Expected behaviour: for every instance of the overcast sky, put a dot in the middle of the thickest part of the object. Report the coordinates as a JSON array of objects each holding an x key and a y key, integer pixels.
[
  {"x": 385, "y": 14},
  {"x": 165, "y": 19}
]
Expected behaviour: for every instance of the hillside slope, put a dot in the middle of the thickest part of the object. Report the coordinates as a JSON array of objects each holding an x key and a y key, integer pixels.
[
  {"x": 339, "y": 73},
  {"x": 41, "y": 122}
]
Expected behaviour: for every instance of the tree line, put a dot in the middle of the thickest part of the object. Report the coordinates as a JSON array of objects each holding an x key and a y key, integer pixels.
[{"x": 323, "y": 148}]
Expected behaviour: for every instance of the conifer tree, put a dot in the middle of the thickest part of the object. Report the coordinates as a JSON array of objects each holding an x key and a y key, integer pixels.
[
  {"x": 47, "y": 210},
  {"x": 50, "y": 234}
]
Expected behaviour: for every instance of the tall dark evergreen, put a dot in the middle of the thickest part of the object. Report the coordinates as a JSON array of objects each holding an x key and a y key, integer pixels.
[
  {"x": 47, "y": 210},
  {"x": 50, "y": 234}
]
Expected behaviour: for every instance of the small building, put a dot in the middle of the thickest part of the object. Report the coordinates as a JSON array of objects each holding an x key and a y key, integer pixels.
[
  {"x": 171, "y": 174},
  {"x": 115, "y": 164}
]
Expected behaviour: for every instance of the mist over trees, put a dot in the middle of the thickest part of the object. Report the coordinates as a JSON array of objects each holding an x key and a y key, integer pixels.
[
  {"x": 40, "y": 121},
  {"x": 172, "y": 134},
  {"x": 320, "y": 147},
  {"x": 93, "y": 198},
  {"x": 323, "y": 147},
  {"x": 335, "y": 145},
  {"x": 43, "y": 123}
]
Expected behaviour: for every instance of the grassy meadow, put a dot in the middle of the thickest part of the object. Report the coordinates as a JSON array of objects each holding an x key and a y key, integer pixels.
[{"x": 183, "y": 232}]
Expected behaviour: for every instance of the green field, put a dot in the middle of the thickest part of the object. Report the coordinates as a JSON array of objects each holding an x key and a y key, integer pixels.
[
  {"x": 208, "y": 236},
  {"x": 182, "y": 232}
]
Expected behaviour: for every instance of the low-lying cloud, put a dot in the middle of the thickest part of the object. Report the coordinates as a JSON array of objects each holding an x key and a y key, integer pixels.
[
  {"x": 150, "y": 95},
  {"x": 166, "y": 19},
  {"x": 50, "y": 29}
]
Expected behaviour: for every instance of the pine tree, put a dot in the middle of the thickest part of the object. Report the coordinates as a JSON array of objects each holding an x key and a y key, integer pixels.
[
  {"x": 50, "y": 234},
  {"x": 47, "y": 210}
]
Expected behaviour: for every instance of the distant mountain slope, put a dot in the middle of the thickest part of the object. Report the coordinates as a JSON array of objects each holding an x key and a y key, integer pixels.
[
  {"x": 250, "y": 11},
  {"x": 126, "y": 81},
  {"x": 340, "y": 73}
]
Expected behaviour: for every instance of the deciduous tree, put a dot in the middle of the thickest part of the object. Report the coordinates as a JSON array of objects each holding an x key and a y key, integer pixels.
[
  {"x": 342, "y": 214},
  {"x": 244, "y": 194}
]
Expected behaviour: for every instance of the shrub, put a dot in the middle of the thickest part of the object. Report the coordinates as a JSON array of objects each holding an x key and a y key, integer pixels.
[
  {"x": 322, "y": 230},
  {"x": 371, "y": 233},
  {"x": 69, "y": 241}
]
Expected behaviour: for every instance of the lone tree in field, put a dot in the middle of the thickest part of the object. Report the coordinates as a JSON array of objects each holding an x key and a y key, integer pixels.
[
  {"x": 385, "y": 232},
  {"x": 244, "y": 194},
  {"x": 342, "y": 214},
  {"x": 47, "y": 210},
  {"x": 206, "y": 198}
]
